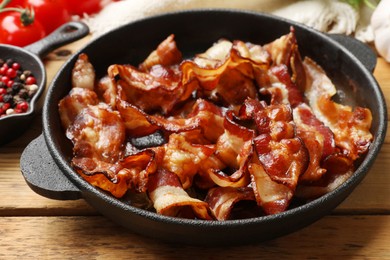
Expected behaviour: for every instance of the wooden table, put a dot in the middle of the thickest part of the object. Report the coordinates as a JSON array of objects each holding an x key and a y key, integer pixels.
[{"x": 32, "y": 226}]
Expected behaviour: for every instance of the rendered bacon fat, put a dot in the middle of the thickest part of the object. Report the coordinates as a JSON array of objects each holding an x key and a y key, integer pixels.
[{"x": 240, "y": 127}]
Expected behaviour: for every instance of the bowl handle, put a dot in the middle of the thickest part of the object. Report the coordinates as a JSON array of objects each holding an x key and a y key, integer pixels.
[
  {"x": 66, "y": 33},
  {"x": 362, "y": 51},
  {"x": 43, "y": 175}
]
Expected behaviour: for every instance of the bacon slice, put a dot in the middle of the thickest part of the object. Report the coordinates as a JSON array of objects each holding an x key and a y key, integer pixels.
[
  {"x": 184, "y": 159},
  {"x": 132, "y": 173},
  {"x": 234, "y": 149},
  {"x": 83, "y": 73},
  {"x": 204, "y": 116},
  {"x": 170, "y": 199},
  {"x": 107, "y": 89},
  {"x": 98, "y": 137},
  {"x": 98, "y": 132},
  {"x": 281, "y": 88},
  {"x": 223, "y": 199},
  {"x": 351, "y": 128},
  {"x": 138, "y": 167},
  {"x": 272, "y": 196},
  {"x": 166, "y": 54},
  {"x": 70, "y": 106},
  {"x": 159, "y": 90},
  {"x": 339, "y": 169},
  {"x": 281, "y": 155},
  {"x": 285, "y": 51},
  {"x": 226, "y": 72},
  {"x": 318, "y": 139}
]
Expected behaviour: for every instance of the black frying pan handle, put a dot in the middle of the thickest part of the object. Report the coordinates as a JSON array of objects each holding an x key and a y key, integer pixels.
[
  {"x": 43, "y": 175},
  {"x": 362, "y": 51},
  {"x": 65, "y": 34}
]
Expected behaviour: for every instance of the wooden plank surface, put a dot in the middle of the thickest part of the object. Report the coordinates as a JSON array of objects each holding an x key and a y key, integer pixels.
[{"x": 353, "y": 237}]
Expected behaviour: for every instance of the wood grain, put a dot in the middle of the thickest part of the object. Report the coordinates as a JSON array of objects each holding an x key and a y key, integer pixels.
[{"x": 354, "y": 237}]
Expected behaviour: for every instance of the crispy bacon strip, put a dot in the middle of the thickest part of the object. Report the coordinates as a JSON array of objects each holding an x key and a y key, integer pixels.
[
  {"x": 170, "y": 199},
  {"x": 98, "y": 136},
  {"x": 234, "y": 149},
  {"x": 166, "y": 54},
  {"x": 281, "y": 155},
  {"x": 226, "y": 71},
  {"x": 283, "y": 160},
  {"x": 204, "y": 116},
  {"x": 285, "y": 51},
  {"x": 272, "y": 196},
  {"x": 70, "y": 106},
  {"x": 159, "y": 90},
  {"x": 107, "y": 89},
  {"x": 351, "y": 128},
  {"x": 282, "y": 89},
  {"x": 327, "y": 167},
  {"x": 184, "y": 159},
  {"x": 130, "y": 173},
  {"x": 83, "y": 73},
  {"x": 98, "y": 132},
  {"x": 339, "y": 169},
  {"x": 222, "y": 200},
  {"x": 318, "y": 139},
  {"x": 138, "y": 167}
]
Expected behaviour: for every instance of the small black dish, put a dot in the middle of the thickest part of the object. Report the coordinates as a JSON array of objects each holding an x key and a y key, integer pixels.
[{"x": 12, "y": 126}]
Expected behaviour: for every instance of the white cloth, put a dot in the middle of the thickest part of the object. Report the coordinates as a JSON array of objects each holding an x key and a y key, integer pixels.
[{"x": 324, "y": 15}]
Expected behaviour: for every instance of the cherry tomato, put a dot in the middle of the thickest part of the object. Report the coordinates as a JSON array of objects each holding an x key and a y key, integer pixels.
[
  {"x": 50, "y": 13},
  {"x": 12, "y": 30},
  {"x": 78, "y": 7}
]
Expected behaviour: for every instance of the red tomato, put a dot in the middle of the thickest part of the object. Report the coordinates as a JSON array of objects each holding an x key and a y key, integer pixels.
[
  {"x": 78, "y": 7},
  {"x": 13, "y": 32},
  {"x": 50, "y": 13}
]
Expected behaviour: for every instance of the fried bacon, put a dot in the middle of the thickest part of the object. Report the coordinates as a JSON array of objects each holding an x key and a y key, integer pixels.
[
  {"x": 166, "y": 54},
  {"x": 184, "y": 159},
  {"x": 280, "y": 154},
  {"x": 351, "y": 128},
  {"x": 282, "y": 89},
  {"x": 240, "y": 125},
  {"x": 71, "y": 106},
  {"x": 226, "y": 71},
  {"x": 285, "y": 51},
  {"x": 221, "y": 200},
  {"x": 158, "y": 90},
  {"x": 318, "y": 140},
  {"x": 170, "y": 199},
  {"x": 83, "y": 74}
]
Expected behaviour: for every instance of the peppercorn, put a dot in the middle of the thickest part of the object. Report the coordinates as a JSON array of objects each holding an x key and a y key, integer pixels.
[
  {"x": 17, "y": 87},
  {"x": 23, "y": 93},
  {"x": 8, "y": 99},
  {"x": 9, "y": 62}
]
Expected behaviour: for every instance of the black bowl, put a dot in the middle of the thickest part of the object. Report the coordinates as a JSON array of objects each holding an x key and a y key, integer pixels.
[{"x": 194, "y": 32}]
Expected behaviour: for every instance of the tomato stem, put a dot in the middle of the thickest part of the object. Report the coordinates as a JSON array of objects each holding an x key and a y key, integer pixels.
[
  {"x": 4, "y": 3},
  {"x": 26, "y": 15}
]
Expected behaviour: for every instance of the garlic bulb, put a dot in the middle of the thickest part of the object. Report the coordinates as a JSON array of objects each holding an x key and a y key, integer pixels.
[
  {"x": 325, "y": 16},
  {"x": 380, "y": 23}
]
